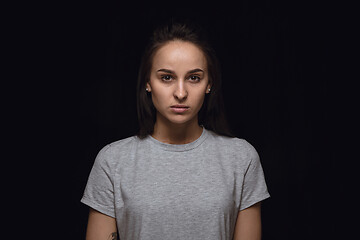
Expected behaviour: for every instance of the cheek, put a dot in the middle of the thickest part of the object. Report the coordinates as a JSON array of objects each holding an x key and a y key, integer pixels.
[
  {"x": 198, "y": 99},
  {"x": 159, "y": 96}
]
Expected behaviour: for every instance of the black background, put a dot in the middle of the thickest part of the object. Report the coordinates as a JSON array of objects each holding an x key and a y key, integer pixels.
[{"x": 274, "y": 58}]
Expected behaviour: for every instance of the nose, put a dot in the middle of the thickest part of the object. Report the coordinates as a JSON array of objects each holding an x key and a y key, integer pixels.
[{"x": 180, "y": 92}]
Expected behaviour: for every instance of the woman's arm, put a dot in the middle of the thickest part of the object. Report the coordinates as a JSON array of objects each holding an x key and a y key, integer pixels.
[
  {"x": 248, "y": 223},
  {"x": 100, "y": 226}
]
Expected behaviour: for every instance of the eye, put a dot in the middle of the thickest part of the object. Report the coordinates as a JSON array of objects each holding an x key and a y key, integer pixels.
[
  {"x": 194, "y": 78},
  {"x": 166, "y": 78}
]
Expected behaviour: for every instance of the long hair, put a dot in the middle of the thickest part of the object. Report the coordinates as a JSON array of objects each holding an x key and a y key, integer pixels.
[{"x": 211, "y": 114}]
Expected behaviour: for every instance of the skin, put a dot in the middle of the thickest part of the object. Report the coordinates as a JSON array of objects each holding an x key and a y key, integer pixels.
[
  {"x": 178, "y": 76},
  {"x": 100, "y": 226},
  {"x": 248, "y": 223}
]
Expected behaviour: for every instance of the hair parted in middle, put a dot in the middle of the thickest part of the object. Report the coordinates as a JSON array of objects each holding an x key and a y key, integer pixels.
[{"x": 212, "y": 113}]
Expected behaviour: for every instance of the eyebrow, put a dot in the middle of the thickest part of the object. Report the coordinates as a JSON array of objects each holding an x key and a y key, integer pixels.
[{"x": 170, "y": 71}]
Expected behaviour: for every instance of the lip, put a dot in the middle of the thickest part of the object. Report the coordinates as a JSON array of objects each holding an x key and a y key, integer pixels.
[{"x": 179, "y": 108}]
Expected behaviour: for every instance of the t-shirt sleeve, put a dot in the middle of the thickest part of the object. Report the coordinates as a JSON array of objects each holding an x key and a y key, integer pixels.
[
  {"x": 254, "y": 186},
  {"x": 99, "y": 191}
]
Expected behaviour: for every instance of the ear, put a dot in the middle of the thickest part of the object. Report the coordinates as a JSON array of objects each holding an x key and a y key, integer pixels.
[
  {"x": 148, "y": 87},
  {"x": 208, "y": 88}
]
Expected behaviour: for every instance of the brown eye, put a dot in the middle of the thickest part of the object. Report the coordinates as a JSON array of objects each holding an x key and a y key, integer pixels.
[
  {"x": 194, "y": 78},
  {"x": 166, "y": 78}
]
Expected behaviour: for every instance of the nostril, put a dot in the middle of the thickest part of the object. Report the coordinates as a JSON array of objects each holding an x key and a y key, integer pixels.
[{"x": 180, "y": 95}]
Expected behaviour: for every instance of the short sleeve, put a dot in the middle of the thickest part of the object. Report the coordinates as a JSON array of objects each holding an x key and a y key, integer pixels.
[
  {"x": 254, "y": 186},
  {"x": 99, "y": 191}
]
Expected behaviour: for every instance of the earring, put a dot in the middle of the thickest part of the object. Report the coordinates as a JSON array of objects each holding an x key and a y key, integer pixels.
[
  {"x": 147, "y": 89},
  {"x": 209, "y": 89}
]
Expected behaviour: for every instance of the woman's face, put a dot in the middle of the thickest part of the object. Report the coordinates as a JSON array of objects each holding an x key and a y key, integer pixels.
[{"x": 178, "y": 81}]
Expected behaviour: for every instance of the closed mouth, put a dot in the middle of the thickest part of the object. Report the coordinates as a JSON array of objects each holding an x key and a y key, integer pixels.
[{"x": 179, "y": 106}]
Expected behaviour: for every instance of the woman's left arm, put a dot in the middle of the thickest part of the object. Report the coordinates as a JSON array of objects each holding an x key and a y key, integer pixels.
[{"x": 248, "y": 223}]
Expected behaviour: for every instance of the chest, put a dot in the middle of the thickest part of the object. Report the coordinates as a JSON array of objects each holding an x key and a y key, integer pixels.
[{"x": 177, "y": 184}]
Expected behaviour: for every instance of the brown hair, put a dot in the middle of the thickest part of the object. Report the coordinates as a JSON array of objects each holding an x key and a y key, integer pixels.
[{"x": 211, "y": 114}]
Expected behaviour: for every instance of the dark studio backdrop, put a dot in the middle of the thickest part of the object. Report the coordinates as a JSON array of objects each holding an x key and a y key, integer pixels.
[{"x": 274, "y": 65}]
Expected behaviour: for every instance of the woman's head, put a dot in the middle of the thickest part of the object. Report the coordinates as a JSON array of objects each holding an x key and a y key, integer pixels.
[
  {"x": 178, "y": 82},
  {"x": 180, "y": 68}
]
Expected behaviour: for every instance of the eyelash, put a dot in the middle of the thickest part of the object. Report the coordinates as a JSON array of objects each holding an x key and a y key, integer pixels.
[{"x": 165, "y": 76}]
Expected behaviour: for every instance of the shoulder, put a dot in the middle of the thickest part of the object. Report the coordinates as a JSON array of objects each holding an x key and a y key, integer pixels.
[
  {"x": 235, "y": 148},
  {"x": 115, "y": 151},
  {"x": 232, "y": 143}
]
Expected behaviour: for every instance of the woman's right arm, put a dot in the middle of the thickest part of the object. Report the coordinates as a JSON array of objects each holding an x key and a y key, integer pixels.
[{"x": 100, "y": 226}]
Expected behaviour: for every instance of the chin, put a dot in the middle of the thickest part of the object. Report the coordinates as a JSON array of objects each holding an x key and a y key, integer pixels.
[{"x": 179, "y": 118}]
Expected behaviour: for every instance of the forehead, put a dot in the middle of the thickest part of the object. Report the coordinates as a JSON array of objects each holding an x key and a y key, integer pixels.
[{"x": 179, "y": 55}]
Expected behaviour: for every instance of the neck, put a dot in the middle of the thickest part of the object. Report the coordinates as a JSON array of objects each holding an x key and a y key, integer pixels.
[{"x": 173, "y": 133}]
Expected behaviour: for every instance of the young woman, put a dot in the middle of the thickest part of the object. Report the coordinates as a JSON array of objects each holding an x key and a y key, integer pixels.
[{"x": 183, "y": 176}]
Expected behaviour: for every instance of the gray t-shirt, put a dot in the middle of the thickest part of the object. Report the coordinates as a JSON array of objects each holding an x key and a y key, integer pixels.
[{"x": 167, "y": 191}]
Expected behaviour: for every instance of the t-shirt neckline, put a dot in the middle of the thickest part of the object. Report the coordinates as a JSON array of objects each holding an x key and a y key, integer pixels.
[{"x": 179, "y": 147}]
